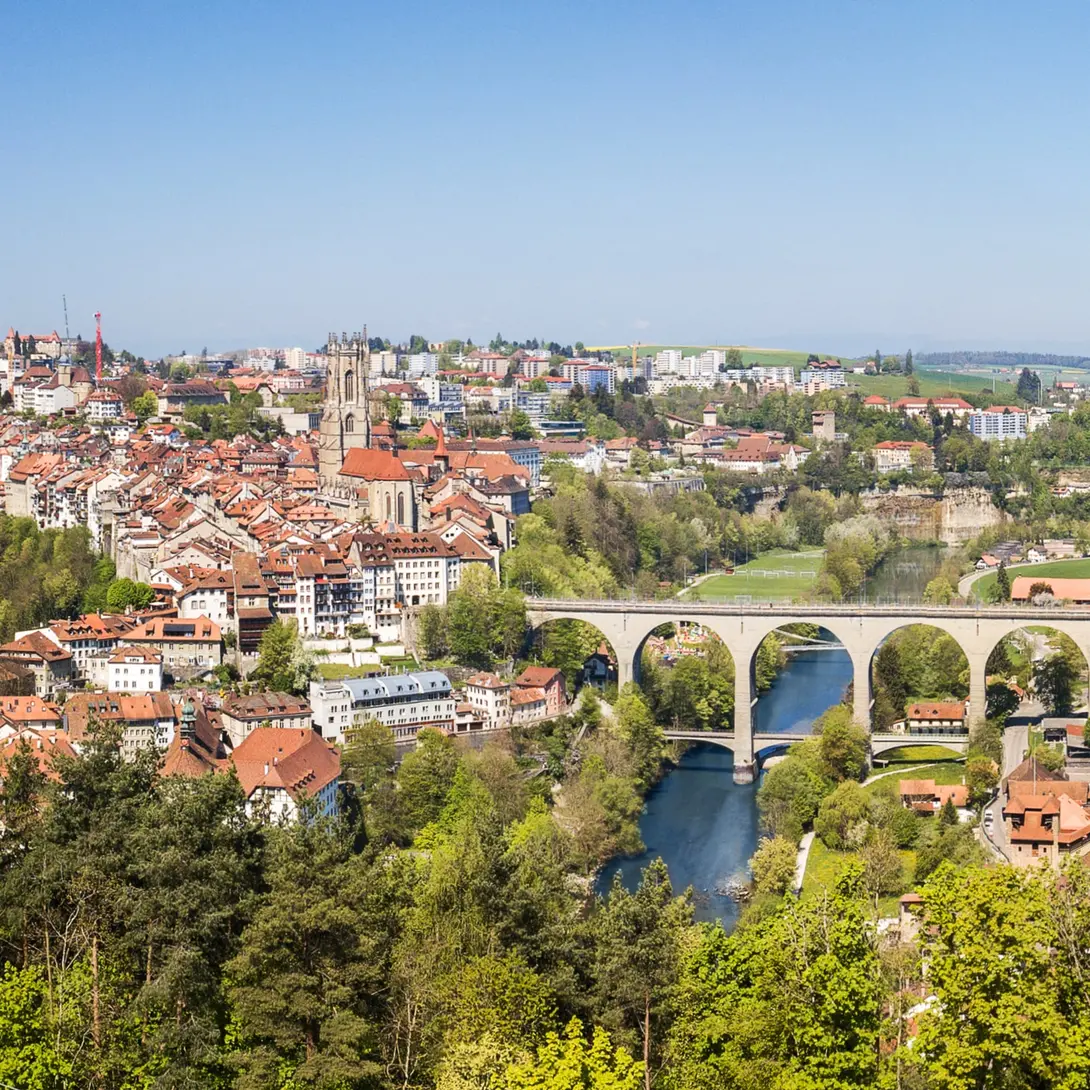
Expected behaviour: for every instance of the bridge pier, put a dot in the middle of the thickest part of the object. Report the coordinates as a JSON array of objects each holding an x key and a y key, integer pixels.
[
  {"x": 745, "y": 765},
  {"x": 978, "y": 683},
  {"x": 861, "y": 694}
]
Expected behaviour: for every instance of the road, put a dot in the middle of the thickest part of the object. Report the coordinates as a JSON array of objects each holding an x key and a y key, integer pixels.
[
  {"x": 1015, "y": 744},
  {"x": 965, "y": 583}
]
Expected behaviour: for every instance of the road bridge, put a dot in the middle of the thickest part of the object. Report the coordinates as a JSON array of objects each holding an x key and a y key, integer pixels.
[{"x": 859, "y": 629}]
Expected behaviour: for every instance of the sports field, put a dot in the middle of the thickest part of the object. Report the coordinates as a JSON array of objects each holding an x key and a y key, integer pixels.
[
  {"x": 1065, "y": 569},
  {"x": 773, "y": 577}
]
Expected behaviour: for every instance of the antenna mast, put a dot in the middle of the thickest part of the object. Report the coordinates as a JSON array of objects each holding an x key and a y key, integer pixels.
[
  {"x": 98, "y": 348},
  {"x": 64, "y": 300}
]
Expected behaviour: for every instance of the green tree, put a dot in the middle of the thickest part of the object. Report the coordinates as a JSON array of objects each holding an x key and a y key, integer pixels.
[
  {"x": 282, "y": 665},
  {"x": 300, "y": 982},
  {"x": 392, "y": 409},
  {"x": 984, "y": 964},
  {"x": 1002, "y": 700},
  {"x": 1029, "y": 386},
  {"x": 792, "y": 1001},
  {"x": 431, "y": 630},
  {"x": 126, "y": 594},
  {"x": 939, "y": 592},
  {"x": 369, "y": 754},
  {"x": 842, "y": 743},
  {"x": 638, "y": 939},
  {"x": 570, "y": 1063},
  {"x": 908, "y": 368},
  {"x": 1056, "y": 680},
  {"x": 883, "y": 870},
  {"x": 841, "y": 814},
  {"x": 773, "y": 865},
  {"x": 29, "y": 1054},
  {"x": 789, "y": 796},
  {"x": 981, "y": 777},
  {"x": 145, "y": 406},
  {"x": 643, "y": 737},
  {"x": 519, "y": 425},
  {"x": 425, "y": 777},
  {"x": 1001, "y": 589}
]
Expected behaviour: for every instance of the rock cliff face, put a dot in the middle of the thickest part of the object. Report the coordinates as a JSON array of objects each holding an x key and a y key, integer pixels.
[{"x": 952, "y": 518}]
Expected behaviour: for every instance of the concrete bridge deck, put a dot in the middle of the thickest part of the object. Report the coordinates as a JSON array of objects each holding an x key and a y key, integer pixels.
[{"x": 860, "y": 629}]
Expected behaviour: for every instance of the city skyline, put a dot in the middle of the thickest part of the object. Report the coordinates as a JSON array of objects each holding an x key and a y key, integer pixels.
[{"x": 833, "y": 179}]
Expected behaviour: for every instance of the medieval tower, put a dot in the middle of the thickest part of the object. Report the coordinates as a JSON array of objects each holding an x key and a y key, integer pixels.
[{"x": 346, "y": 411}]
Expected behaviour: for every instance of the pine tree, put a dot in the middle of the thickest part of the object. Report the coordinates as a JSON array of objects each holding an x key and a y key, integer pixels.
[
  {"x": 908, "y": 362},
  {"x": 301, "y": 983},
  {"x": 1001, "y": 592}
]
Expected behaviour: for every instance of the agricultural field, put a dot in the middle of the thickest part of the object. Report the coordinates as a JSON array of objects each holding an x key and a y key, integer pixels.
[
  {"x": 1065, "y": 569},
  {"x": 932, "y": 384},
  {"x": 780, "y": 575}
]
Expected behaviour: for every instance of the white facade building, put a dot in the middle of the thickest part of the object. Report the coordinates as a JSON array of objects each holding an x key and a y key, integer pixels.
[
  {"x": 403, "y": 702},
  {"x": 134, "y": 670},
  {"x": 999, "y": 422}
]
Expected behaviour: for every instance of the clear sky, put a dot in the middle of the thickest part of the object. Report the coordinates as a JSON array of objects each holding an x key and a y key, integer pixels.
[{"x": 832, "y": 175}]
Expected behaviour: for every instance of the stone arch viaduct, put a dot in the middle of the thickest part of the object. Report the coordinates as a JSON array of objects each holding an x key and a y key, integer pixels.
[{"x": 861, "y": 629}]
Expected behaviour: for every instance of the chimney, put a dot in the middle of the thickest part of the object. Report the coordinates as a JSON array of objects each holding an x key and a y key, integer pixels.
[{"x": 266, "y": 768}]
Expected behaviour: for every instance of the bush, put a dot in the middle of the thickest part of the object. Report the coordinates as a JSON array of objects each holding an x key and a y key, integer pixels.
[
  {"x": 773, "y": 865},
  {"x": 839, "y": 813}
]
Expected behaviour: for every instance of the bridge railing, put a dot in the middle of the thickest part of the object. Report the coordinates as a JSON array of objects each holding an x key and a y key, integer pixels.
[{"x": 686, "y": 606}]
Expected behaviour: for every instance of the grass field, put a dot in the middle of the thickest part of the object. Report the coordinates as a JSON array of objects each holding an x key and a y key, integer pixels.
[
  {"x": 334, "y": 671},
  {"x": 1067, "y": 569},
  {"x": 823, "y": 865},
  {"x": 771, "y": 577},
  {"x": 932, "y": 384},
  {"x": 910, "y": 755}
]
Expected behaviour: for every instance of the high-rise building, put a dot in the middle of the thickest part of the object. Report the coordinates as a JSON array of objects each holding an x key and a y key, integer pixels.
[{"x": 346, "y": 419}]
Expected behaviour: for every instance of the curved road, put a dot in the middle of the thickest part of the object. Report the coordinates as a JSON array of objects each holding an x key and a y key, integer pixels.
[{"x": 965, "y": 583}]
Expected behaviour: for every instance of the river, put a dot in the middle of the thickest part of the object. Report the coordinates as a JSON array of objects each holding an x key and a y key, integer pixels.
[
  {"x": 904, "y": 574},
  {"x": 699, "y": 820}
]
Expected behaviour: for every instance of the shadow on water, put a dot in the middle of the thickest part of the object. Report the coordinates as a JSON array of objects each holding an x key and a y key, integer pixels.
[{"x": 703, "y": 825}]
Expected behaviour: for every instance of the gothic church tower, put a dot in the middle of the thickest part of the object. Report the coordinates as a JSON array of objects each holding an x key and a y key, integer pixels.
[{"x": 346, "y": 410}]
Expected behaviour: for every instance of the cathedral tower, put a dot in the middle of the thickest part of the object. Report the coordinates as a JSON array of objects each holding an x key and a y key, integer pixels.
[{"x": 346, "y": 410}]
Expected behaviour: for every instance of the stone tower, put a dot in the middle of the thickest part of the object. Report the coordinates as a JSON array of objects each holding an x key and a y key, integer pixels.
[{"x": 346, "y": 411}]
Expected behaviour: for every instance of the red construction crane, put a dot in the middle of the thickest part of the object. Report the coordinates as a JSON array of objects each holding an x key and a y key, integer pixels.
[{"x": 98, "y": 348}]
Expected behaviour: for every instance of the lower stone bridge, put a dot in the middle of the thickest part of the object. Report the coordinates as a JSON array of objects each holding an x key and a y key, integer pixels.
[
  {"x": 763, "y": 742},
  {"x": 861, "y": 630}
]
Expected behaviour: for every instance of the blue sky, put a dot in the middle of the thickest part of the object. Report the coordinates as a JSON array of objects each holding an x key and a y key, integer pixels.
[{"x": 824, "y": 175}]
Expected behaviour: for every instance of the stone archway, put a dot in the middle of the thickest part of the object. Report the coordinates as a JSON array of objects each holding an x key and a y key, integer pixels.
[
  {"x": 687, "y": 673},
  {"x": 915, "y": 665}
]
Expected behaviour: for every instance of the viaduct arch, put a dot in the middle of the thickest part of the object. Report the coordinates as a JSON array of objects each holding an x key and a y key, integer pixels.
[{"x": 861, "y": 630}]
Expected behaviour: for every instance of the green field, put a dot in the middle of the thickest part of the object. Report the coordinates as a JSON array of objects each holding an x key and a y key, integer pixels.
[
  {"x": 1067, "y": 569},
  {"x": 932, "y": 384},
  {"x": 771, "y": 577},
  {"x": 334, "y": 671},
  {"x": 913, "y": 755}
]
